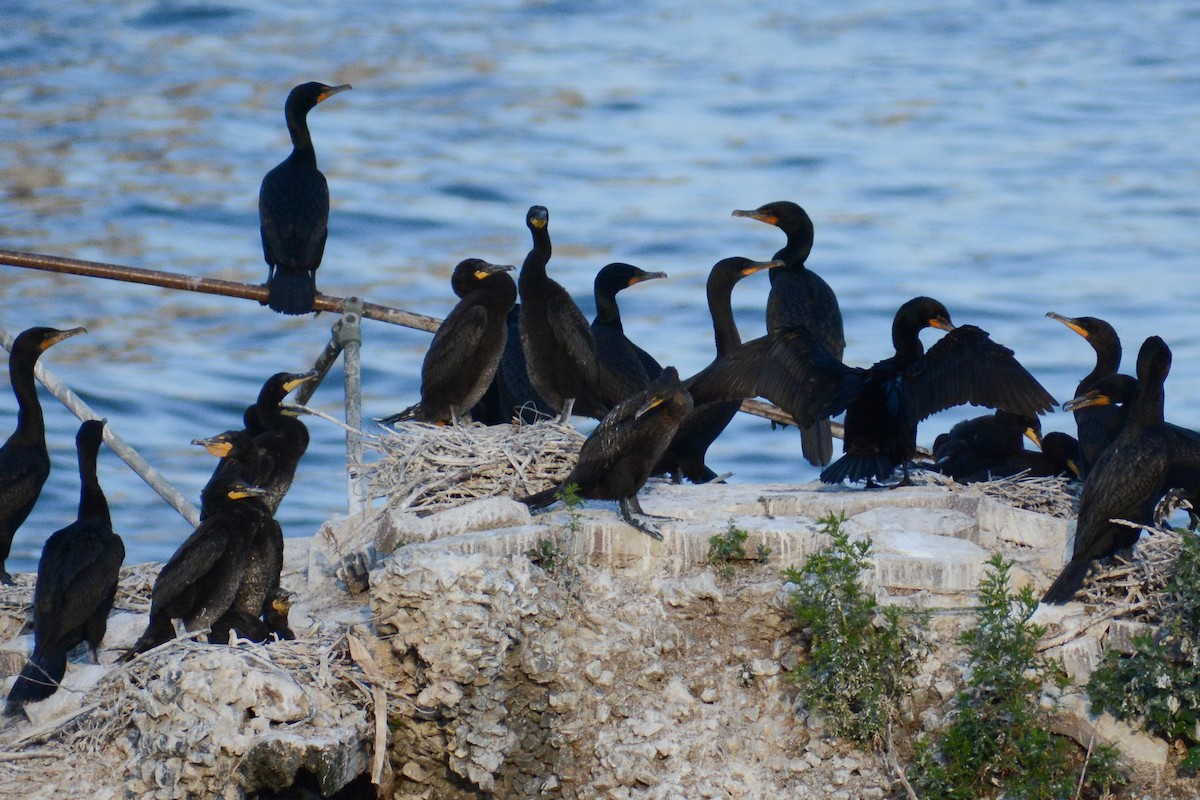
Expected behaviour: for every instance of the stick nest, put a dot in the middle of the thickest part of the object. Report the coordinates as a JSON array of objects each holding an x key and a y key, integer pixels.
[
  {"x": 428, "y": 468},
  {"x": 1057, "y": 497},
  {"x": 1134, "y": 587}
]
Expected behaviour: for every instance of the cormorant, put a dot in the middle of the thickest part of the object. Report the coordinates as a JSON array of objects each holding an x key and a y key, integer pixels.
[
  {"x": 616, "y": 459},
  {"x": 293, "y": 209},
  {"x": 200, "y": 581},
  {"x": 560, "y": 353},
  {"x": 714, "y": 400},
  {"x": 890, "y": 398},
  {"x": 241, "y": 459},
  {"x": 800, "y": 296},
  {"x": 627, "y": 368},
  {"x": 281, "y": 437},
  {"x": 466, "y": 349},
  {"x": 76, "y": 583},
  {"x": 24, "y": 460},
  {"x": 991, "y": 447},
  {"x": 991, "y": 436},
  {"x": 1094, "y": 423},
  {"x": 1128, "y": 479}
]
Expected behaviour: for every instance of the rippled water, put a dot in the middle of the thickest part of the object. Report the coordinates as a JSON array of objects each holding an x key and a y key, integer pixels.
[{"x": 1008, "y": 158}]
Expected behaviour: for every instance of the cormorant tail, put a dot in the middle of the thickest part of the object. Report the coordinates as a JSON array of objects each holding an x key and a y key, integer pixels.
[
  {"x": 816, "y": 442},
  {"x": 292, "y": 292},
  {"x": 38, "y": 680},
  {"x": 858, "y": 468},
  {"x": 541, "y": 499},
  {"x": 1068, "y": 583}
]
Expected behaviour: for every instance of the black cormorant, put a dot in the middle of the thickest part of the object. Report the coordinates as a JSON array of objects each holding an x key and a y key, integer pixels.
[
  {"x": 1094, "y": 423},
  {"x": 627, "y": 368},
  {"x": 1127, "y": 480},
  {"x": 76, "y": 583},
  {"x": 800, "y": 296},
  {"x": 891, "y": 397},
  {"x": 199, "y": 582},
  {"x": 560, "y": 353},
  {"x": 714, "y": 400},
  {"x": 24, "y": 460},
  {"x": 616, "y": 459},
  {"x": 466, "y": 349},
  {"x": 989, "y": 447},
  {"x": 293, "y": 209},
  {"x": 281, "y": 437}
]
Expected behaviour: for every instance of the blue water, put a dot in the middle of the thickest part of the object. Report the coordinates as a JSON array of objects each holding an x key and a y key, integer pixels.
[{"x": 1007, "y": 158}]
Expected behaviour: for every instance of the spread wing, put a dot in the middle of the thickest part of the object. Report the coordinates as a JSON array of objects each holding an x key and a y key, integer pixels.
[
  {"x": 966, "y": 366},
  {"x": 805, "y": 380}
]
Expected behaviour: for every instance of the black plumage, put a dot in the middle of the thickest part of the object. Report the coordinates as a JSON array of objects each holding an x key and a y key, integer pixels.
[
  {"x": 616, "y": 459},
  {"x": 888, "y": 400},
  {"x": 466, "y": 349},
  {"x": 24, "y": 460},
  {"x": 282, "y": 439},
  {"x": 1094, "y": 424},
  {"x": 626, "y": 368},
  {"x": 992, "y": 446},
  {"x": 511, "y": 395},
  {"x": 717, "y": 391},
  {"x": 1127, "y": 480},
  {"x": 199, "y": 582},
  {"x": 293, "y": 209},
  {"x": 76, "y": 584},
  {"x": 800, "y": 296},
  {"x": 560, "y": 353}
]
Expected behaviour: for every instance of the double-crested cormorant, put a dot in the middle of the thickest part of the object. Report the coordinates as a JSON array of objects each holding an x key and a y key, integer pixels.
[
  {"x": 991, "y": 446},
  {"x": 800, "y": 296},
  {"x": 24, "y": 460},
  {"x": 1127, "y": 480},
  {"x": 560, "y": 353},
  {"x": 627, "y": 368},
  {"x": 511, "y": 395},
  {"x": 890, "y": 398},
  {"x": 293, "y": 209},
  {"x": 715, "y": 400},
  {"x": 466, "y": 350},
  {"x": 200, "y": 581},
  {"x": 617, "y": 458},
  {"x": 281, "y": 437},
  {"x": 1094, "y": 423},
  {"x": 241, "y": 459},
  {"x": 76, "y": 584}
]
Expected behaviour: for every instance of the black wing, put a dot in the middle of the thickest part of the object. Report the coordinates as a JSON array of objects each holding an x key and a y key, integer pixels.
[{"x": 966, "y": 366}]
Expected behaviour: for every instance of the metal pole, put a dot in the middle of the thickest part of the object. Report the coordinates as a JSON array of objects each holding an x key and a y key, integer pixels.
[
  {"x": 192, "y": 283},
  {"x": 321, "y": 366},
  {"x": 130, "y": 456},
  {"x": 349, "y": 336}
]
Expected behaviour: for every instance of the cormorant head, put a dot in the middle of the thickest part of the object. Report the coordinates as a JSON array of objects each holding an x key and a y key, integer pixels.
[
  {"x": 1111, "y": 390},
  {"x": 784, "y": 214},
  {"x": 39, "y": 340},
  {"x": 1154, "y": 360},
  {"x": 925, "y": 312},
  {"x": 224, "y": 443},
  {"x": 239, "y": 490},
  {"x": 306, "y": 96},
  {"x": 617, "y": 276},
  {"x": 537, "y": 218}
]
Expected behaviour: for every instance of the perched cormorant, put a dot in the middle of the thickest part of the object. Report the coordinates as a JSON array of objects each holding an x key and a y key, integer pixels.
[
  {"x": 24, "y": 460},
  {"x": 560, "y": 353},
  {"x": 76, "y": 584},
  {"x": 800, "y": 296},
  {"x": 293, "y": 209},
  {"x": 466, "y": 350},
  {"x": 627, "y": 368},
  {"x": 263, "y": 562},
  {"x": 989, "y": 447},
  {"x": 1128, "y": 479},
  {"x": 281, "y": 437},
  {"x": 890, "y": 398},
  {"x": 714, "y": 400},
  {"x": 616, "y": 459},
  {"x": 200, "y": 581},
  {"x": 991, "y": 435},
  {"x": 1094, "y": 423}
]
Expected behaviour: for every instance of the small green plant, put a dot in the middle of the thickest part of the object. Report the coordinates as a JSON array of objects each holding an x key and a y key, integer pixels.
[
  {"x": 998, "y": 743},
  {"x": 569, "y": 494},
  {"x": 1159, "y": 684},
  {"x": 861, "y": 656},
  {"x": 763, "y": 551},
  {"x": 725, "y": 547},
  {"x": 547, "y": 555}
]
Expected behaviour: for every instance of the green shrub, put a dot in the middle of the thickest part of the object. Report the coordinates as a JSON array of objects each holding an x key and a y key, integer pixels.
[
  {"x": 725, "y": 547},
  {"x": 998, "y": 743},
  {"x": 861, "y": 656},
  {"x": 1159, "y": 684}
]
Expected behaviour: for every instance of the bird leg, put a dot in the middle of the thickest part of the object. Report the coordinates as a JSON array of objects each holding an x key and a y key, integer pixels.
[
  {"x": 906, "y": 480},
  {"x": 627, "y": 515},
  {"x": 636, "y": 505},
  {"x": 568, "y": 407},
  {"x": 6, "y": 579}
]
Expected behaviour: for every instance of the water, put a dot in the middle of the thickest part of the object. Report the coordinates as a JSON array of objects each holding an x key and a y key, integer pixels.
[{"x": 1007, "y": 158}]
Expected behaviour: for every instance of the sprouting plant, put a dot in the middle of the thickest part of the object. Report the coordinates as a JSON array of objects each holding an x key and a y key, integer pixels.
[
  {"x": 998, "y": 743},
  {"x": 725, "y": 547},
  {"x": 861, "y": 656},
  {"x": 569, "y": 494}
]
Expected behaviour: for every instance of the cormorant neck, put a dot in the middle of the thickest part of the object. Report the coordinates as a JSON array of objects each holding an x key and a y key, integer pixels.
[
  {"x": 92, "y": 502},
  {"x": 796, "y": 251},
  {"x": 720, "y": 305},
  {"x": 538, "y": 257},
  {"x": 302, "y": 145},
  {"x": 607, "y": 312},
  {"x": 906, "y": 338},
  {"x": 29, "y": 408},
  {"x": 1147, "y": 405},
  {"x": 1108, "y": 361}
]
